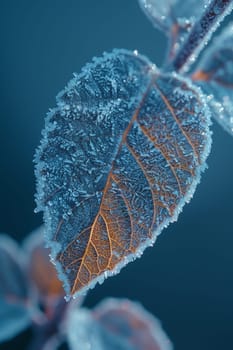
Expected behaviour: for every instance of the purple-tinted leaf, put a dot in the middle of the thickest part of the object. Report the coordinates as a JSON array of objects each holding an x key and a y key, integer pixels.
[
  {"x": 215, "y": 75},
  {"x": 41, "y": 271},
  {"x": 14, "y": 294},
  {"x": 116, "y": 325},
  {"x": 121, "y": 154}
]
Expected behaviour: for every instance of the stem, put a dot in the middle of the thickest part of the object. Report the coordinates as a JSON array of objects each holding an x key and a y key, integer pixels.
[
  {"x": 48, "y": 332},
  {"x": 201, "y": 31}
]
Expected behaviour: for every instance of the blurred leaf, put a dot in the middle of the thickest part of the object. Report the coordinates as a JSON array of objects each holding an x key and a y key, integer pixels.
[
  {"x": 122, "y": 152},
  {"x": 14, "y": 294},
  {"x": 174, "y": 17},
  {"x": 41, "y": 271},
  {"x": 215, "y": 75},
  {"x": 53, "y": 343},
  {"x": 116, "y": 325}
]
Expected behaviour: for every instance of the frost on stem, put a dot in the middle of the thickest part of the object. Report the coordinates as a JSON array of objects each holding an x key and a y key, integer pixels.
[
  {"x": 201, "y": 33},
  {"x": 175, "y": 18},
  {"x": 215, "y": 75}
]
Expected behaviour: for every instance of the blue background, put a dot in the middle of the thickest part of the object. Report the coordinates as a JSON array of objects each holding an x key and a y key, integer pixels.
[{"x": 186, "y": 279}]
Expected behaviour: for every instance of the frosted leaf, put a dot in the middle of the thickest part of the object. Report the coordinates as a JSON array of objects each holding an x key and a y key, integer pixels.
[
  {"x": 116, "y": 325},
  {"x": 83, "y": 332},
  {"x": 41, "y": 272},
  {"x": 215, "y": 75},
  {"x": 118, "y": 165},
  {"x": 174, "y": 17},
  {"x": 14, "y": 295}
]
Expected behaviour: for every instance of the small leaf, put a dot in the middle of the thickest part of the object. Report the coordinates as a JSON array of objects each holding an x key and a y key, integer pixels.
[
  {"x": 14, "y": 294},
  {"x": 174, "y": 17},
  {"x": 41, "y": 271},
  {"x": 215, "y": 75},
  {"x": 122, "y": 152},
  {"x": 116, "y": 325}
]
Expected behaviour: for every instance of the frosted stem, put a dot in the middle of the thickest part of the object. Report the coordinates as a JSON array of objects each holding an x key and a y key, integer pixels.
[
  {"x": 47, "y": 334},
  {"x": 201, "y": 32}
]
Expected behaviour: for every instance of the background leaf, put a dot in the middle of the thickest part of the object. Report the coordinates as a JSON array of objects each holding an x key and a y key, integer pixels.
[
  {"x": 215, "y": 75},
  {"x": 41, "y": 271},
  {"x": 116, "y": 325},
  {"x": 174, "y": 17},
  {"x": 122, "y": 152},
  {"x": 14, "y": 293}
]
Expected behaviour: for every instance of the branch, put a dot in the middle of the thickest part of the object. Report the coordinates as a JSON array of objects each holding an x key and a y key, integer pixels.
[{"x": 201, "y": 32}]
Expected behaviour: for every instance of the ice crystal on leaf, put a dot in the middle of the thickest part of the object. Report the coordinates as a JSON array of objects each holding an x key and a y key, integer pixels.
[{"x": 121, "y": 154}]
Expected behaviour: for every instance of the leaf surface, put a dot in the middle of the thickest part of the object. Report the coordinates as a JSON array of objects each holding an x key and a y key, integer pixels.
[
  {"x": 215, "y": 75},
  {"x": 121, "y": 154},
  {"x": 14, "y": 295},
  {"x": 116, "y": 325}
]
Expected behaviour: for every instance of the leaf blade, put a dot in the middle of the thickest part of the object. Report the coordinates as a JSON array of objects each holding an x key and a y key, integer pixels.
[
  {"x": 161, "y": 133},
  {"x": 117, "y": 324}
]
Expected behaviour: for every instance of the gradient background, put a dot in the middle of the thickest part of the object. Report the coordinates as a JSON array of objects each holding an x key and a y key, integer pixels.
[{"x": 186, "y": 279}]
